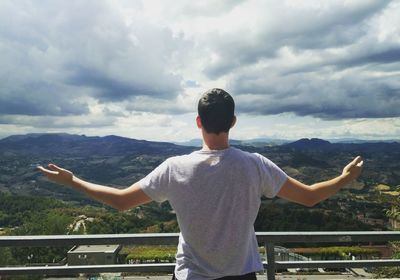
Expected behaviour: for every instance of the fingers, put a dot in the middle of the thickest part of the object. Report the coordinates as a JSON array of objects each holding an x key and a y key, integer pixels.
[
  {"x": 357, "y": 160},
  {"x": 46, "y": 171},
  {"x": 54, "y": 167}
]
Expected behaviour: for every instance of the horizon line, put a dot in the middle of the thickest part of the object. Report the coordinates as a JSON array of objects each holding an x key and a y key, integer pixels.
[{"x": 257, "y": 139}]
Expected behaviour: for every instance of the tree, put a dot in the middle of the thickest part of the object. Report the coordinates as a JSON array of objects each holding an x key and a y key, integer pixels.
[
  {"x": 6, "y": 257},
  {"x": 394, "y": 213},
  {"x": 51, "y": 223}
]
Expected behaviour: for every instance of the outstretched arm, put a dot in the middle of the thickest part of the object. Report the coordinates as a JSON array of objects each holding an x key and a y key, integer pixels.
[
  {"x": 309, "y": 195},
  {"x": 121, "y": 199}
]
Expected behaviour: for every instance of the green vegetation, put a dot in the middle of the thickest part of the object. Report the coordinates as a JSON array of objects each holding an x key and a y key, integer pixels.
[
  {"x": 6, "y": 257},
  {"x": 392, "y": 193},
  {"x": 337, "y": 252},
  {"x": 391, "y": 272},
  {"x": 382, "y": 187},
  {"x": 276, "y": 216},
  {"x": 28, "y": 215},
  {"x": 29, "y": 204},
  {"x": 16, "y": 210},
  {"x": 143, "y": 254}
]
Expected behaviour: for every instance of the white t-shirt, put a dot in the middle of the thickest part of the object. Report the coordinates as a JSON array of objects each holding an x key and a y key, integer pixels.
[{"x": 216, "y": 196}]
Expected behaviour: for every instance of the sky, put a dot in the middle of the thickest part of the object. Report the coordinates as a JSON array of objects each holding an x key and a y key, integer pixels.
[{"x": 326, "y": 69}]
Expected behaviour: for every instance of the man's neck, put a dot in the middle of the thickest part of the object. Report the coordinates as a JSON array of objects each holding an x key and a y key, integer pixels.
[{"x": 213, "y": 141}]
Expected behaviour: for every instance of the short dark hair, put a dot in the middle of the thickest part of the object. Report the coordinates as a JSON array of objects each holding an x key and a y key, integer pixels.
[{"x": 216, "y": 110}]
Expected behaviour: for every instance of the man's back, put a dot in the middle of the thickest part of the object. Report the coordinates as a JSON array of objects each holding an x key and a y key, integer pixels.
[
  {"x": 215, "y": 193},
  {"x": 216, "y": 196}
]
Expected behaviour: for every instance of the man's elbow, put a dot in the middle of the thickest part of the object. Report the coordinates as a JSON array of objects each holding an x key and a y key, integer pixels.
[
  {"x": 120, "y": 202},
  {"x": 310, "y": 203},
  {"x": 310, "y": 200},
  {"x": 121, "y": 208},
  {"x": 123, "y": 205},
  {"x": 117, "y": 206}
]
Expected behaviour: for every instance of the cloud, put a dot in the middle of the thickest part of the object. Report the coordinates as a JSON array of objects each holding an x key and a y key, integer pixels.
[
  {"x": 213, "y": 8},
  {"x": 142, "y": 104},
  {"x": 357, "y": 77},
  {"x": 292, "y": 24},
  {"x": 39, "y": 98},
  {"x": 109, "y": 88},
  {"x": 385, "y": 56},
  {"x": 318, "y": 95},
  {"x": 331, "y": 60},
  {"x": 55, "y": 55},
  {"x": 191, "y": 84},
  {"x": 57, "y": 122}
]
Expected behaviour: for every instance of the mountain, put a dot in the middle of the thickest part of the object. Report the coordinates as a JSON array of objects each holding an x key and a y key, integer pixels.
[
  {"x": 83, "y": 146},
  {"x": 191, "y": 143},
  {"x": 320, "y": 145},
  {"x": 71, "y": 145},
  {"x": 309, "y": 144},
  {"x": 361, "y": 141},
  {"x": 120, "y": 161},
  {"x": 257, "y": 142}
]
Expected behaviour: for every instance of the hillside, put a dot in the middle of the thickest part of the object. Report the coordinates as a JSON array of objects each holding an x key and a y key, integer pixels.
[
  {"x": 120, "y": 161},
  {"x": 41, "y": 145}
]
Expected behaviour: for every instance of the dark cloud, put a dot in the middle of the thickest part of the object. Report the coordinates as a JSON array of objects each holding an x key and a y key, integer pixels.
[
  {"x": 306, "y": 95},
  {"x": 108, "y": 88},
  {"x": 333, "y": 60},
  {"x": 42, "y": 107},
  {"x": 57, "y": 55},
  {"x": 39, "y": 98},
  {"x": 299, "y": 29},
  {"x": 385, "y": 56},
  {"x": 58, "y": 122},
  {"x": 388, "y": 56},
  {"x": 336, "y": 63}
]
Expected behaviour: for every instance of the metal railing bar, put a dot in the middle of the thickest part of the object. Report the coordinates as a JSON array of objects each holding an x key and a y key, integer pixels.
[
  {"x": 67, "y": 270},
  {"x": 172, "y": 238},
  {"x": 169, "y": 267},
  {"x": 92, "y": 239},
  {"x": 271, "y": 260},
  {"x": 328, "y": 236},
  {"x": 269, "y": 239},
  {"x": 335, "y": 264}
]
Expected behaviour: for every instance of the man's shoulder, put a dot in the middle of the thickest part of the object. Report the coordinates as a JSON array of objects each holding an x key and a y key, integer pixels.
[
  {"x": 173, "y": 160},
  {"x": 234, "y": 152},
  {"x": 246, "y": 154},
  {"x": 252, "y": 157},
  {"x": 181, "y": 157}
]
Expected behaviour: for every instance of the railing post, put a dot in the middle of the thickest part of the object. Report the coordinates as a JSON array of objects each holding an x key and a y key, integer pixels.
[{"x": 270, "y": 260}]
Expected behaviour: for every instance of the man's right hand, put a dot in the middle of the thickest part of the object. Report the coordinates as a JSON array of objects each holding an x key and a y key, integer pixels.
[
  {"x": 353, "y": 169},
  {"x": 309, "y": 195},
  {"x": 57, "y": 174}
]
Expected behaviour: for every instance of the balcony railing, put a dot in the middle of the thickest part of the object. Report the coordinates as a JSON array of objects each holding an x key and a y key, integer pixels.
[{"x": 268, "y": 239}]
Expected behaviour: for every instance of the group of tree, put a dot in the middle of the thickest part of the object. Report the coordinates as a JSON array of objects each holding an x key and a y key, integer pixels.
[
  {"x": 30, "y": 215},
  {"x": 35, "y": 215},
  {"x": 391, "y": 272}
]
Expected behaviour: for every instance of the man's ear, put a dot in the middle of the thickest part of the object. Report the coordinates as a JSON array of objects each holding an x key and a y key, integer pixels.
[
  {"x": 233, "y": 121},
  {"x": 198, "y": 122}
]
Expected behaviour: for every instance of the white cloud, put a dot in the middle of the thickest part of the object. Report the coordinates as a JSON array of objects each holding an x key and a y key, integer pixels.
[{"x": 96, "y": 64}]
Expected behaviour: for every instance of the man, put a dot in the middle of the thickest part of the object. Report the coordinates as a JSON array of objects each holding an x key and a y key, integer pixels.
[{"x": 216, "y": 194}]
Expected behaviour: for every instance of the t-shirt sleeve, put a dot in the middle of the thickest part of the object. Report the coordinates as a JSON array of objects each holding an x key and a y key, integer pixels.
[
  {"x": 156, "y": 183},
  {"x": 272, "y": 177}
]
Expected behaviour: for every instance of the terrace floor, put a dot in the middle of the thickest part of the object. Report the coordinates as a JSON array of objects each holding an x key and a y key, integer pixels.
[{"x": 348, "y": 276}]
